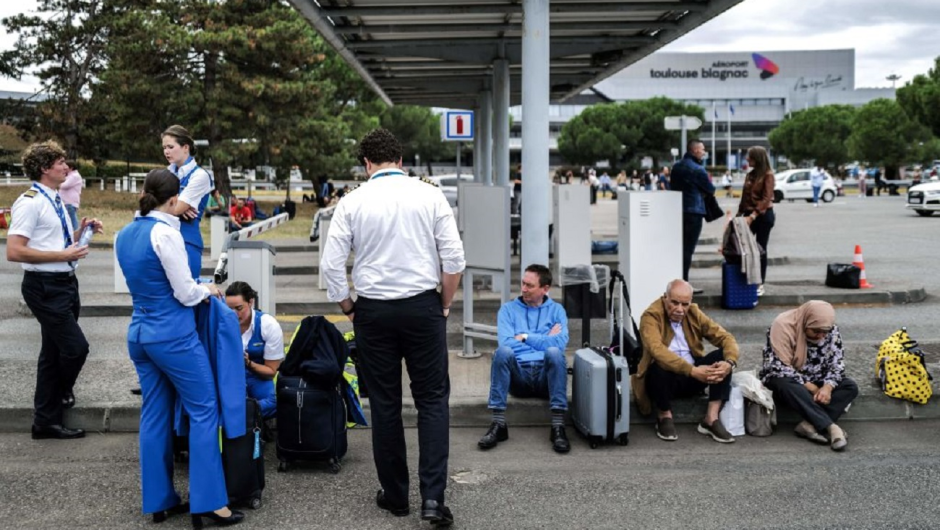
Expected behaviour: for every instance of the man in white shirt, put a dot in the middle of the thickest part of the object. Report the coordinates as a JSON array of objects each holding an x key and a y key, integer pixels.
[
  {"x": 817, "y": 178},
  {"x": 403, "y": 233},
  {"x": 42, "y": 238}
]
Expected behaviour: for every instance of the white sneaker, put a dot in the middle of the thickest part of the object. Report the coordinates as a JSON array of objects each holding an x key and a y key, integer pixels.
[{"x": 760, "y": 290}]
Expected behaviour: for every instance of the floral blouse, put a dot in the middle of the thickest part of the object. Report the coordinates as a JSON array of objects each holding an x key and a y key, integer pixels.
[{"x": 824, "y": 363}]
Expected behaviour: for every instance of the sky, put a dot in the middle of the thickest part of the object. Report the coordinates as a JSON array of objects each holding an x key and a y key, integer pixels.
[{"x": 889, "y": 37}]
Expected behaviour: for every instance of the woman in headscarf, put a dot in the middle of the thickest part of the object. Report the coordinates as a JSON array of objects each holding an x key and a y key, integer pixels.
[{"x": 803, "y": 366}]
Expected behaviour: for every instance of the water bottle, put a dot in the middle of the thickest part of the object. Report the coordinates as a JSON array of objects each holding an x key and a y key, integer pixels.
[{"x": 85, "y": 239}]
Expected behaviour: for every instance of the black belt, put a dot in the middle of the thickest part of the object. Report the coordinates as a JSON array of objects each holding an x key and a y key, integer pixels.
[{"x": 42, "y": 274}]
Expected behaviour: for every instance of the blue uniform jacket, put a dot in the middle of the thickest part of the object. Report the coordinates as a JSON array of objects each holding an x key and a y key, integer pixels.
[
  {"x": 221, "y": 336},
  {"x": 689, "y": 177}
]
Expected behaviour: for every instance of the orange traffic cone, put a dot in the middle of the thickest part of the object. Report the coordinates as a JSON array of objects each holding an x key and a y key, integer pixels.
[{"x": 859, "y": 262}]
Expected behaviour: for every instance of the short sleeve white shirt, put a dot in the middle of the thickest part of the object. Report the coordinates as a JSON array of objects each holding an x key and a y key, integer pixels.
[
  {"x": 35, "y": 218},
  {"x": 271, "y": 334},
  {"x": 199, "y": 185}
]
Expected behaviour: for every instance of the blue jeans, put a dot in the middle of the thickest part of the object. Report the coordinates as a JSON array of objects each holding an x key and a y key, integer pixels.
[
  {"x": 73, "y": 215},
  {"x": 816, "y": 190},
  {"x": 546, "y": 379}
]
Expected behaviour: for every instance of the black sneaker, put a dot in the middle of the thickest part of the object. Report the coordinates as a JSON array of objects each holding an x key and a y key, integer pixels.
[
  {"x": 717, "y": 431},
  {"x": 560, "y": 439},
  {"x": 497, "y": 433},
  {"x": 666, "y": 430}
]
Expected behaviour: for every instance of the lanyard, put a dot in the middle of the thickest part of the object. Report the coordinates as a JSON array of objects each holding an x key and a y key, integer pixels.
[
  {"x": 387, "y": 172},
  {"x": 58, "y": 210}
]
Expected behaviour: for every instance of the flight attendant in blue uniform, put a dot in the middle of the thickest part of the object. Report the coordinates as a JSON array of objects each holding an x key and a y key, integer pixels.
[
  {"x": 170, "y": 359},
  {"x": 195, "y": 186},
  {"x": 263, "y": 341}
]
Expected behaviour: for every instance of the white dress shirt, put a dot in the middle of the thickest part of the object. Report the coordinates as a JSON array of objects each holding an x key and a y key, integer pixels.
[
  {"x": 200, "y": 183},
  {"x": 403, "y": 233},
  {"x": 167, "y": 243},
  {"x": 679, "y": 344},
  {"x": 35, "y": 218},
  {"x": 271, "y": 334}
]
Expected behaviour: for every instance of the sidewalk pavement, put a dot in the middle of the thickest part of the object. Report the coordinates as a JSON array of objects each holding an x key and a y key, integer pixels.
[{"x": 104, "y": 402}]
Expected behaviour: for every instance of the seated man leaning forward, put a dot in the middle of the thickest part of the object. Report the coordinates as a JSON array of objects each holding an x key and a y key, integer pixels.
[
  {"x": 674, "y": 363},
  {"x": 530, "y": 360},
  {"x": 803, "y": 366}
]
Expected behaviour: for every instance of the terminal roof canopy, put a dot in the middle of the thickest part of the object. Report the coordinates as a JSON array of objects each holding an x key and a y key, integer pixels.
[{"x": 441, "y": 53}]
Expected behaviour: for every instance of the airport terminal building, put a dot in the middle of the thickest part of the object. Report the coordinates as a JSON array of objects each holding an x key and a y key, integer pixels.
[{"x": 753, "y": 89}]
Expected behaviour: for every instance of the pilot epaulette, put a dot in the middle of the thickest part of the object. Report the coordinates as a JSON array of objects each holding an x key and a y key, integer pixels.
[
  {"x": 30, "y": 193},
  {"x": 429, "y": 181}
]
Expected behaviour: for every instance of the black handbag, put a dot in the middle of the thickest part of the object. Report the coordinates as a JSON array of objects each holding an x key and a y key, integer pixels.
[
  {"x": 623, "y": 343},
  {"x": 843, "y": 275},
  {"x": 713, "y": 210}
]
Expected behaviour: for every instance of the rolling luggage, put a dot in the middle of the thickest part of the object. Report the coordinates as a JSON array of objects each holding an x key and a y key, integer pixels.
[
  {"x": 243, "y": 461},
  {"x": 601, "y": 396},
  {"x": 311, "y": 423},
  {"x": 736, "y": 293}
]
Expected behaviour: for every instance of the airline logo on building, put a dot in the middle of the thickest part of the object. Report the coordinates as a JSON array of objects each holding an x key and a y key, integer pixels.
[{"x": 767, "y": 67}]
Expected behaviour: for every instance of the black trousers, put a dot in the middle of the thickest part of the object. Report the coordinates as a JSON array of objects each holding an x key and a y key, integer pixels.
[
  {"x": 412, "y": 329},
  {"x": 793, "y": 394},
  {"x": 691, "y": 230},
  {"x": 663, "y": 386},
  {"x": 53, "y": 299},
  {"x": 761, "y": 228}
]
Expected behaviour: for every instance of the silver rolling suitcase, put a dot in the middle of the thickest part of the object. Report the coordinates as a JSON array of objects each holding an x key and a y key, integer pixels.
[{"x": 601, "y": 396}]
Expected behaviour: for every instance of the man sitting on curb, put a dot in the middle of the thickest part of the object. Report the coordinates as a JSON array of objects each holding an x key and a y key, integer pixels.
[
  {"x": 674, "y": 363},
  {"x": 530, "y": 360}
]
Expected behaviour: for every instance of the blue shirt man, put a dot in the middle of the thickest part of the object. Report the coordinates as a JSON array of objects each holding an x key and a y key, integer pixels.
[{"x": 530, "y": 360}]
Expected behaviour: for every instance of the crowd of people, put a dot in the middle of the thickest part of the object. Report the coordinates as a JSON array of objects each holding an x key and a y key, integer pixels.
[{"x": 408, "y": 263}]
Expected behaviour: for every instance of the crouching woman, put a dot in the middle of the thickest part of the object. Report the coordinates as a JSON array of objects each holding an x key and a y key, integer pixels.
[{"x": 804, "y": 367}]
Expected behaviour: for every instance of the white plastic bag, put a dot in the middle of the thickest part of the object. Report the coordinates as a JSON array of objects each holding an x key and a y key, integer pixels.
[
  {"x": 732, "y": 414},
  {"x": 752, "y": 388}
]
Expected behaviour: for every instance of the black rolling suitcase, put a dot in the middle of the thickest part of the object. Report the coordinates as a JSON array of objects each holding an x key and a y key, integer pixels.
[
  {"x": 311, "y": 423},
  {"x": 243, "y": 461}
]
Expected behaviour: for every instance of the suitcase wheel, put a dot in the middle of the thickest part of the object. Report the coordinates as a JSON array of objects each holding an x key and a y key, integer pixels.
[
  {"x": 335, "y": 466},
  {"x": 255, "y": 503},
  {"x": 623, "y": 439},
  {"x": 282, "y": 466},
  {"x": 594, "y": 444}
]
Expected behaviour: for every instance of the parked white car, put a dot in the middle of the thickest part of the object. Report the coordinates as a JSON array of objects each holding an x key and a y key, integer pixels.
[
  {"x": 448, "y": 184},
  {"x": 924, "y": 198},
  {"x": 795, "y": 184}
]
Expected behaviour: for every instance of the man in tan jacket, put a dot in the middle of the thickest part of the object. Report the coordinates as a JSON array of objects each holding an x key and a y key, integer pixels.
[{"x": 674, "y": 363}]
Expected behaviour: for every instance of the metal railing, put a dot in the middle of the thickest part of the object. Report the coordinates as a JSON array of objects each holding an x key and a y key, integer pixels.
[{"x": 221, "y": 269}]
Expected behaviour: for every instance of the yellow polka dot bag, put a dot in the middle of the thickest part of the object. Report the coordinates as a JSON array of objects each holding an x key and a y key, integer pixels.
[{"x": 900, "y": 368}]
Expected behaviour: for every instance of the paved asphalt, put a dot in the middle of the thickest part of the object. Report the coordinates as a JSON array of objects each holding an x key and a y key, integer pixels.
[{"x": 886, "y": 479}]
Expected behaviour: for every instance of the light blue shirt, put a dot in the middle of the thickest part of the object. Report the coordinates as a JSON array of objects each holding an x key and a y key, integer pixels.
[{"x": 679, "y": 344}]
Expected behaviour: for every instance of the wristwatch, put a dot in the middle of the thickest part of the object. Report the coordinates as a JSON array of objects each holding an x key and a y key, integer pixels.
[
  {"x": 732, "y": 363},
  {"x": 525, "y": 336}
]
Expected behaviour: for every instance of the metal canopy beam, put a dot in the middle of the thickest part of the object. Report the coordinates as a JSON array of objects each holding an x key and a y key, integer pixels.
[
  {"x": 413, "y": 11},
  {"x": 383, "y": 29},
  {"x": 600, "y": 43}
]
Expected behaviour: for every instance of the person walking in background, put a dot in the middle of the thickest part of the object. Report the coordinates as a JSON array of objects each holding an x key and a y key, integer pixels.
[
  {"x": 44, "y": 241},
  {"x": 757, "y": 203},
  {"x": 195, "y": 185},
  {"x": 690, "y": 178},
  {"x": 663, "y": 183},
  {"x": 605, "y": 184},
  {"x": 71, "y": 191},
  {"x": 817, "y": 178},
  {"x": 726, "y": 182},
  {"x": 170, "y": 360},
  {"x": 406, "y": 243}
]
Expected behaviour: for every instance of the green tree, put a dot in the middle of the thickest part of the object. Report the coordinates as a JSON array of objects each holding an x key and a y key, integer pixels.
[
  {"x": 419, "y": 131},
  {"x": 920, "y": 98},
  {"x": 63, "y": 45},
  {"x": 621, "y": 132},
  {"x": 598, "y": 133},
  {"x": 883, "y": 134},
  {"x": 817, "y": 135}
]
